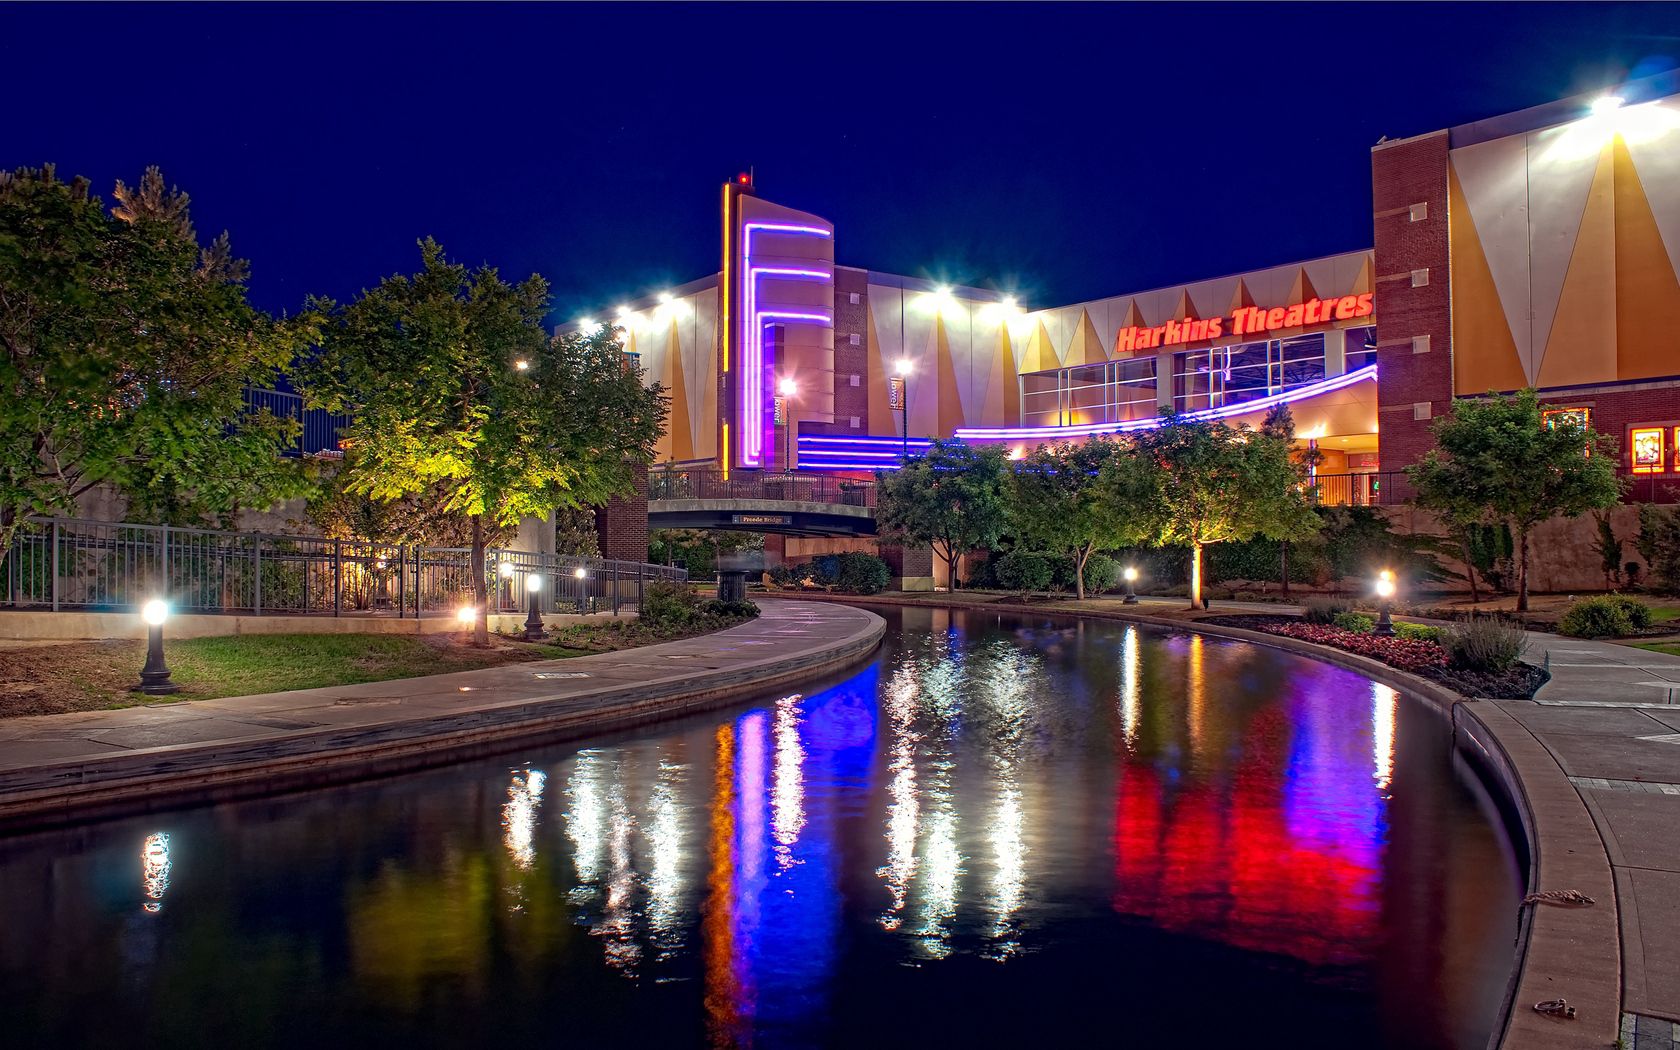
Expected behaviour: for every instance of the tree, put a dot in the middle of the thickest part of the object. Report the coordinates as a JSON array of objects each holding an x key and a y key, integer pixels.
[
  {"x": 126, "y": 349},
  {"x": 1056, "y": 503},
  {"x": 1196, "y": 483},
  {"x": 951, "y": 498},
  {"x": 454, "y": 388},
  {"x": 1497, "y": 460}
]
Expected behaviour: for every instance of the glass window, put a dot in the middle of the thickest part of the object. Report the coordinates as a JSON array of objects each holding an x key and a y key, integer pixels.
[
  {"x": 1301, "y": 362},
  {"x": 1361, "y": 348},
  {"x": 1647, "y": 443}
]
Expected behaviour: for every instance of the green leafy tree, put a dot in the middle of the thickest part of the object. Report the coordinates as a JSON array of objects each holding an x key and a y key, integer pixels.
[
  {"x": 456, "y": 389},
  {"x": 1608, "y": 546},
  {"x": 1496, "y": 460},
  {"x": 1195, "y": 483},
  {"x": 952, "y": 498},
  {"x": 126, "y": 348},
  {"x": 1056, "y": 503}
]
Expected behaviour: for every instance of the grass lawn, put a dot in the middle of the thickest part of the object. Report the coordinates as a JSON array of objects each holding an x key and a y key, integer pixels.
[
  {"x": 87, "y": 676},
  {"x": 1671, "y": 648}
]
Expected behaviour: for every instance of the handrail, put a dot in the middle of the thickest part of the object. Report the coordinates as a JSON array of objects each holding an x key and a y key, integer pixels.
[{"x": 793, "y": 487}]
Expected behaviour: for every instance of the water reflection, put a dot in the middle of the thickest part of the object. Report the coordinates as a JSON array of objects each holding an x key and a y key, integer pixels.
[
  {"x": 1059, "y": 801},
  {"x": 154, "y": 870}
]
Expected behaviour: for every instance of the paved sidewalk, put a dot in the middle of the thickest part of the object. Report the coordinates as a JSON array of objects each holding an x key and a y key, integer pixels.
[
  {"x": 1610, "y": 720},
  {"x": 209, "y": 748}
]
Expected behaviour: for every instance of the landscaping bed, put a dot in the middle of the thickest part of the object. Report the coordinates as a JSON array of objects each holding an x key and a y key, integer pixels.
[{"x": 1419, "y": 656}]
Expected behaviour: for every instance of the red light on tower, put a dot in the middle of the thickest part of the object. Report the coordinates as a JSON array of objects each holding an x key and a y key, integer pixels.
[{"x": 744, "y": 179}]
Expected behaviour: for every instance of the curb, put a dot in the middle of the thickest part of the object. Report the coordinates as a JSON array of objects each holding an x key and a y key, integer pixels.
[
  {"x": 150, "y": 779},
  {"x": 1559, "y": 952}
]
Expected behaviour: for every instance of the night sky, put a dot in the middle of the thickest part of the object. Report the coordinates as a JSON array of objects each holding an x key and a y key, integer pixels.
[{"x": 1062, "y": 153}]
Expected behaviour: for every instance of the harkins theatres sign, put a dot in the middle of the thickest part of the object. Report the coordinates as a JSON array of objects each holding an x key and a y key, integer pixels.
[{"x": 1246, "y": 320}]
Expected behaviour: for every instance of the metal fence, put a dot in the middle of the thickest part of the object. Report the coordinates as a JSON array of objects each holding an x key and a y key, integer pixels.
[
  {"x": 73, "y": 564},
  {"x": 797, "y": 486},
  {"x": 1383, "y": 488},
  {"x": 321, "y": 428}
]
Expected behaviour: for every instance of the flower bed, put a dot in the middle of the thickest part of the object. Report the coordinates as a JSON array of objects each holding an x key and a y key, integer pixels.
[
  {"x": 1407, "y": 654},
  {"x": 1420, "y": 656}
]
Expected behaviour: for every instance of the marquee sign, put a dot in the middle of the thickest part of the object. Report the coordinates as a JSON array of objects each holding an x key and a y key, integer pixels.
[{"x": 1245, "y": 320}]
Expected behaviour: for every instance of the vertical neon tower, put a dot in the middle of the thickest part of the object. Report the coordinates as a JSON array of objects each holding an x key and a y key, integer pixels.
[{"x": 776, "y": 316}]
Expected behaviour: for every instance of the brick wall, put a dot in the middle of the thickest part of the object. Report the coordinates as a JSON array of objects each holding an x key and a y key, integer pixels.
[
  {"x": 1405, "y": 174},
  {"x": 621, "y": 527},
  {"x": 849, "y": 319}
]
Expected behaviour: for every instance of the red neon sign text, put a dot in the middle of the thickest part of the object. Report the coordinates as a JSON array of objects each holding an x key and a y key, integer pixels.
[{"x": 1247, "y": 320}]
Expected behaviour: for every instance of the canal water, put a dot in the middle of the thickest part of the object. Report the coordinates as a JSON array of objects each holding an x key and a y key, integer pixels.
[{"x": 1001, "y": 832}]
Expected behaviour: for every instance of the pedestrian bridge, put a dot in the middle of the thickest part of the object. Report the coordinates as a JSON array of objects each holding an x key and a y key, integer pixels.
[{"x": 792, "y": 504}]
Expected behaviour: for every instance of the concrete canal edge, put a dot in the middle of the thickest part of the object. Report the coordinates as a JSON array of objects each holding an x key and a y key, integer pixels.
[
  {"x": 1560, "y": 953},
  {"x": 154, "y": 778}
]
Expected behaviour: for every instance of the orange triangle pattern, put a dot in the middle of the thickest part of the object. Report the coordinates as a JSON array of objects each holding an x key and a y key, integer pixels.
[
  {"x": 1487, "y": 354},
  {"x": 1647, "y": 294},
  {"x": 680, "y": 425}
]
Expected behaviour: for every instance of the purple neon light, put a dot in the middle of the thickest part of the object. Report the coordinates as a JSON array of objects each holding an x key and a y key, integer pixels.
[
  {"x": 1369, "y": 372},
  {"x": 751, "y": 385}
]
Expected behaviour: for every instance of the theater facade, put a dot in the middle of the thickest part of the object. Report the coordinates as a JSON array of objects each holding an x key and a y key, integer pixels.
[{"x": 1537, "y": 248}]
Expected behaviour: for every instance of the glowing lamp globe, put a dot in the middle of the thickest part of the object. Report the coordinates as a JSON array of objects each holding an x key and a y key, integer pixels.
[
  {"x": 533, "y": 583},
  {"x": 580, "y": 572},
  {"x": 155, "y": 612},
  {"x": 467, "y": 615},
  {"x": 505, "y": 570},
  {"x": 1131, "y": 574}
]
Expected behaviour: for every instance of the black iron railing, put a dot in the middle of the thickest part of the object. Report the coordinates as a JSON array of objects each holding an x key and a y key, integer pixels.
[
  {"x": 70, "y": 564},
  {"x": 796, "y": 487},
  {"x": 1381, "y": 488}
]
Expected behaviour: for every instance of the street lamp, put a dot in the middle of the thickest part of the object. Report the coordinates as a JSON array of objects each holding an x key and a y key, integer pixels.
[
  {"x": 533, "y": 618},
  {"x": 787, "y": 388},
  {"x": 1385, "y": 591},
  {"x": 1131, "y": 581},
  {"x": 467, "y": 617},
  {"x": 581, "y": 574},
  {"x": 903, "y": 369},
  {"x": 154, "y": 677}
]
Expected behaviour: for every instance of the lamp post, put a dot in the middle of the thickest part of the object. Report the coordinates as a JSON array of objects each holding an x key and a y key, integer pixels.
[
  {"x": 533, "y": 618},
  {"x": 154, "y": 677},
  {"x": 788, "y": 388},
  {"x": 1131, "y": 582},
  {"x": 581, "y": 574},
  {"x": 903, "y": 370},
  {"x": 504, "y": 569},
  {"x": 1385, "y": 592},
  {"x": 467, "y": 617}
]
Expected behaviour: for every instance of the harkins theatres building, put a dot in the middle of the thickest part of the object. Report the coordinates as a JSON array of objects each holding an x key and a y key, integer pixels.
[{"x": 1538, "y": 248}]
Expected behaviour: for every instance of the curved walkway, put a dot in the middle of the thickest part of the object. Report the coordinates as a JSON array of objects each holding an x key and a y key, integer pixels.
[
  {"x": 55, "y": 768},
  {"x": 1594, "y": 763}
]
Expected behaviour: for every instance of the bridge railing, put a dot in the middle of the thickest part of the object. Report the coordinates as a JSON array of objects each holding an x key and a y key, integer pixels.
[
  {"x": 794, "y": 487},
  {"x": 58, "y": 564}
]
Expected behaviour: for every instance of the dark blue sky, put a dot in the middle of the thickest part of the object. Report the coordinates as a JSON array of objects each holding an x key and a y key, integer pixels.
[{"x": 1062, "y": 152}]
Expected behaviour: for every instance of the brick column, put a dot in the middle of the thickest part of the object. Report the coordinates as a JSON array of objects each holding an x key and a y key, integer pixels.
[
  {"x": 912, "y": 567},
  {"x": 1412, "y": 281},
  {"x": 621, "y": 526}
]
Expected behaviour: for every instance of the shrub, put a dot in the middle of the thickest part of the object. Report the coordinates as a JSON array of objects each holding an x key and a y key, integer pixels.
[
  {"x": 780, "y": 575},
  {"x": 1325, "y": 610},
  {"x": 1355, "y": 621},
  {"x": 861, "y": 573},
  {"x": 668, "y": 605},
  {"x": 982, "y": 573},
  {"x": 824, "y": 570},
  {"x": 1101, "y": 573},
  {"x": 1024, "y": 571},
  {"x": 1485, "y": 643},
  {"x": 1658, "y": 543},
  {"x": 741, "y": 610},
  {"x": 1605, "y": 616},
  {"x": 1420, "y": 632}
]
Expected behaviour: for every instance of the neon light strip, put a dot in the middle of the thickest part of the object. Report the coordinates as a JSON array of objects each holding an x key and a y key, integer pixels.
[
  {"x": 751, "y": 386},
  {"x": 824, "y": 439},
  {"x": 1369, "y": 372}
]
